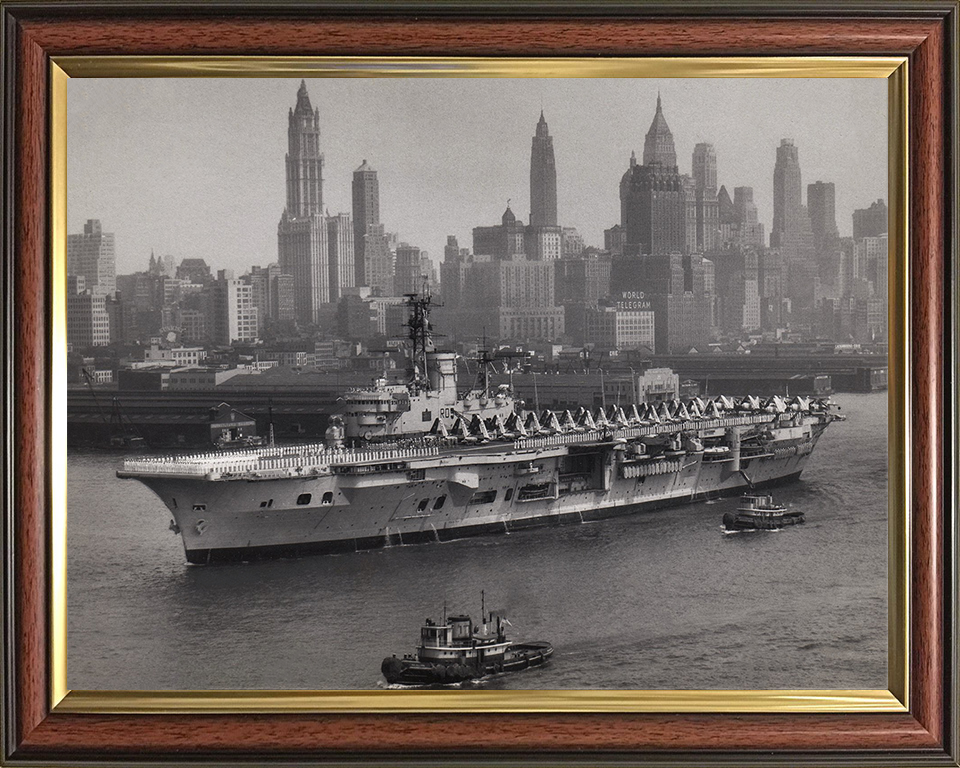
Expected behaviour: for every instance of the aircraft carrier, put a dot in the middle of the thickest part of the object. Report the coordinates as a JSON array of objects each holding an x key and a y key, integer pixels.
[{"x": 420, "y": 462}]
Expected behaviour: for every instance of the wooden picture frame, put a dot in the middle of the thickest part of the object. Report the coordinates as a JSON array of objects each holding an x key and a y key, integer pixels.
[{"x": 36, "y": 34}]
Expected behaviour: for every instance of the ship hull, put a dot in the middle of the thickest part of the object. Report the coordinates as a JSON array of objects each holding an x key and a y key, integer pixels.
[
  {"x": 745, "y": 521},
  {"x": 519, "y": 656},
  {"x": 240, "y": 520}
]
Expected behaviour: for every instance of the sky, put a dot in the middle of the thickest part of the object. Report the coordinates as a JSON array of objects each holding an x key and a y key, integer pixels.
[{"x": 195, "y": 167}]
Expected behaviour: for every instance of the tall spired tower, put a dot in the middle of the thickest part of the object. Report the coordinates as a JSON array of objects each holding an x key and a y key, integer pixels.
[
  {"x": 658, "y": 146},
  {"x": 653, "y": 196},
  {"x": 302, "y": 235},
  {"x": 543, "y": 178},
  {"x": 304, "y": 159}
]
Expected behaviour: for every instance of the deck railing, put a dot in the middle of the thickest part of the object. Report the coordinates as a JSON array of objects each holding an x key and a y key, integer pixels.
[{"x": 288, "y": 460}]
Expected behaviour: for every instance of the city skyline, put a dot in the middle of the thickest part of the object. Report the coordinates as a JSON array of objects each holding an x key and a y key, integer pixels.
[{"x": 448, "y": 157}]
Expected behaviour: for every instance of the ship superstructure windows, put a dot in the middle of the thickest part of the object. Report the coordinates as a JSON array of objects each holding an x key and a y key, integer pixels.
[
  {"x": 266, "y": 504},
  {"x": 422, "y": 505},
  {"x": 327, "y": 498},
  {"x": 483, "y": 497},
  {"x": 438, "y": 504},
  {"x": 304, "y": 498}
]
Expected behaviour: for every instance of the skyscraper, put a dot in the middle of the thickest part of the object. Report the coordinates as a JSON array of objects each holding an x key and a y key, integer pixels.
[
  {"x": 503, "y": 241},
  {"x": 653, "y": 209},
  {"x": 543, "y": 178},
  {"x": 750, "y": 230},
  {"x": 727, "y": 210},
  {"x": 304, "y": 158},
  {"x": 654, "y": 196},
  {"x": 705, "y": 166},
  {"x": 258, "y": 279},
  {"x": 744, "y": 208},
  {"x": 378, "y": 256},
  {"x": 707, "y": 211},
  {"x": 658, "y": 214},
  {"x": 658, "y": 146},
  {"x": 340, "y": 242},
  {"x": 737, "y": 283},
  {"x": 88, "y": 324},
  {"x": 787, "y": 196},
  {"x": 92, "y": 255},
  {"x": 366, "y": 214},
  {"x": 821, "y": 205},
  {"x": 282, "y": 296},
  {"x": 510, "y": 299},
  {"x": 613, "y": 240},
  {"x": 234, "y": 313},
  {"x": 451, "y": 251},
  {"x": 407, "y": 270},
  {"x": 791, "y": 230},
  {"x": 302, "y": 233},
  {"x": 870, "y": 222}
]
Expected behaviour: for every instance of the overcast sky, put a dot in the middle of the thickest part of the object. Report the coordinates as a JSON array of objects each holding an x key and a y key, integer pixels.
[{"x": 195, "y": 167}]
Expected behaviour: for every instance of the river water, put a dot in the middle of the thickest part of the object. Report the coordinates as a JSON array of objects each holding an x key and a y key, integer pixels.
[{"x": 656, "y": 600}]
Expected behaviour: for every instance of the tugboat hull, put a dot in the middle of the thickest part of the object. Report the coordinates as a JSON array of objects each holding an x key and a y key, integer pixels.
[
  {"x": 518, "y": 657},
  {"x": 747, "y": 522}
]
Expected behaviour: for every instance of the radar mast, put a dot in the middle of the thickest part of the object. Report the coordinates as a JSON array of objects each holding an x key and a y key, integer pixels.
[{"x": 419, "y": 331}]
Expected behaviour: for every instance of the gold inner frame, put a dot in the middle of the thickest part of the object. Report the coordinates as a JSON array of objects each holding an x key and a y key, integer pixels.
[{"x": 894, "y": 699}]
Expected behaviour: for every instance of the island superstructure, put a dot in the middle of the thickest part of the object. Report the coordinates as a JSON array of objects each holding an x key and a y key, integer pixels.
[{"x": 421, "y": 462}]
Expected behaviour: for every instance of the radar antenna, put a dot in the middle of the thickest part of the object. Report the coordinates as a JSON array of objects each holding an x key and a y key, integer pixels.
[
  {"x": 420, "y": 333},
  {"x": 484, "y": 361}
]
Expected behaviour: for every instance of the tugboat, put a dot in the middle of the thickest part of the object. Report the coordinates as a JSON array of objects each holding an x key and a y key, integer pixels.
[
  {"x": 759, "y": 512},
  {"x": 455, "y": 651}
]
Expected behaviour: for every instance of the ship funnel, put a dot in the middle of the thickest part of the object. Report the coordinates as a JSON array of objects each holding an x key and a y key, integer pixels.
[
  {"x": 442, "y": 371},
  {"x": 462, "y": 627}
]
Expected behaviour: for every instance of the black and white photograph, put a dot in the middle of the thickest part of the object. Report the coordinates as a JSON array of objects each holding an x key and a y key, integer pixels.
[{"x": 557, "y": 384}]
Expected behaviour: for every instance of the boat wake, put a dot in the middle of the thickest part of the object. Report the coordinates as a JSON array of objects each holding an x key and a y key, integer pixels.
[
  {"x": 727, "y": 532},
  {"x": 463, "y": 685}
]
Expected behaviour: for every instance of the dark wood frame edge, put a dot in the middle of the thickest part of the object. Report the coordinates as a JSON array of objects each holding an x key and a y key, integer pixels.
[{"x": 927, "y": 32}]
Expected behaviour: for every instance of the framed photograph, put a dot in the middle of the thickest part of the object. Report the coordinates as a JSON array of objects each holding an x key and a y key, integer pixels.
[{"x": 432, "y": 384}]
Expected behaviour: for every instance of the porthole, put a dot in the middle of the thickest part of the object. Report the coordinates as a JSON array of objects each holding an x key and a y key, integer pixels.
[{"x": 304, "y": 498}]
